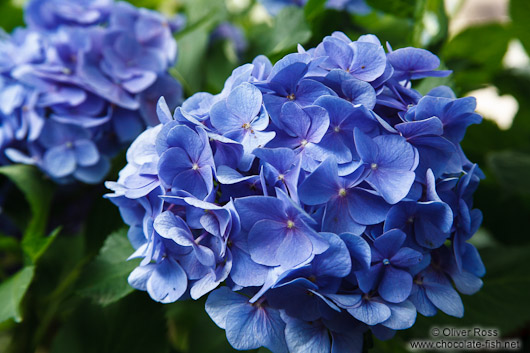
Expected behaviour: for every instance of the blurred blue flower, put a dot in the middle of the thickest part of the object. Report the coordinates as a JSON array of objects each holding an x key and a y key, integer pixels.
[
  {"x": 353, "y": 6},
  {"x": 93, "y": 66}
]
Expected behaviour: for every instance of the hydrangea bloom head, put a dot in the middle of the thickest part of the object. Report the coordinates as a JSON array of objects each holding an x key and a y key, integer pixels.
[
  {"x": 80, "y": 82},
  {"x": 322, "y": 194}
]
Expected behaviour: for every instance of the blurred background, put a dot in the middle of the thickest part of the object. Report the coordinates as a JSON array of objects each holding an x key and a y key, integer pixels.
[{"x": 78, "y": 299}]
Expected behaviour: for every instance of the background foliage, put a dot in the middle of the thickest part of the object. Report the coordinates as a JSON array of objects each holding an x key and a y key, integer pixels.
[{"x": 63, "y": 276}]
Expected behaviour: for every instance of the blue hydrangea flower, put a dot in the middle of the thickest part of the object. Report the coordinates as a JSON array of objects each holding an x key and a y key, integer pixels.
[
  {"x": 349, "y": 211},
  {"x": 89, "y": 71}
]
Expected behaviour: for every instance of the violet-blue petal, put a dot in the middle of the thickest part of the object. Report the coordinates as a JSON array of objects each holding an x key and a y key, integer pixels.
[
  {"x": 168, "y": 282},
  {"x": 359, "y": 250},
  {"x": 395, "y": 285},
  {"x": 370, "y": 312},
  {"x": 303, "y": 337},
  {"x": 389, "y": 243},
  {"x": 403, "y": 316}
]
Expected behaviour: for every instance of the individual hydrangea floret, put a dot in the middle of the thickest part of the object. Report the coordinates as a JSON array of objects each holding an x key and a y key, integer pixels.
[
  {"x": 316, "y": 199},
  {"x": 80, "y": 82}
]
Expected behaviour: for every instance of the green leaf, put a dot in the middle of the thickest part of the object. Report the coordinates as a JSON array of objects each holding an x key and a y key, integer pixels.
[
  {"x": 36, "y": 246},
  {"x": 11, "y": 293},
  {"x": 313, "y": 8},
  {"x": 520, "y": 13},
  {"x": 135, "y": 324},
  {"x": 38, "y": 193},
  {"x": 189, "y": 67},
  {"x": 431, "y": 23},
  {"x": 222, "y": 60},
  {"x": 512, "y": 170},
  {"x": 12, "y": 15},
  {"x": 8, "y": 244},
  {"x": 189, "y": 324},
  {"x": 289, "y": 29},
  {"x": 105, "y": 278},
  {"x": 203, "y": 16},
  {"x": 475, "y": 54},
  {"x": 399, "y": 8}
]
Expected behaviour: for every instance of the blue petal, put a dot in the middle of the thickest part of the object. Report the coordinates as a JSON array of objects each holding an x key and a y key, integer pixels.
[
  {"x": 339, "y": 52},
  {"x": 246, "y": 272},
  {"x": 423, "y": 305},
  {"x": 220, "y": 302},
  {"x": 308, "y": 91},
  {"x": 320, "y": 185},
  {"x": 59, "y": 161},
  {"x": 406, "y": 257},
  {"x": 370, "y": 312},
  {"x": 335, "y": 261},
  {"x": 304, "y": 337},
  {"x": 295, "y": 120},
  {"x": 430, "y": 126},
  {"x": 297, "y": 299},
  {"x": 433, "y": 224},
  {"x": 212, "y": 279},
  {"x": 173, "y": 227},
  {"x": 256, "y": 208},
  {"x": 168, "y": 282},
  {"x": 369, "y": 61},
  {"x": 272, "y": 244},
  {"x": 392, "y": 184},
  {"x": 274, "y": 106},
  {"x": 347, "y": 342},
  {"x": 162, "y": 111},
  {"x": 403, "y": 316},
  {"x": 367, "y": 279},
  {"x": 366, "y": 207},
  {"x": 337, "y": 218},
  {"x": 389, "y": 242},
  {"x": 280, "y": 158},
  {"x": 250, "y": 327},
  {"x": 395, "y": 285},
  {"x": 359, "y": 251},
  {"x": 445, "y": 298},
  {"x": 86, "y": 153},
  {"x": 359, "y": 92},
  {"x": 95, "y": 173},
  {"x": 139, "y": 276}
]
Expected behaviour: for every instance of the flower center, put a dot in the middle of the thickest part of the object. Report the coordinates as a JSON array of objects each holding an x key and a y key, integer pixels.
[
  {"x": 290, "y": 224},
  {"x": 410, "y": 219},
  {"x": 342, "y": 192},
  {"x": 303, "y": 143},
  {"x": 281, "y": 177},
  {"x": 195, "y": 166},
  {"x": 386, "y": 262},
  {"x": 69, "y": 144},
  {"x": 336, "y": 129},
  {"x": 291, "y": 97},
  {"x": 246, "y": 126},
  {"x": 374, "y": 166}
]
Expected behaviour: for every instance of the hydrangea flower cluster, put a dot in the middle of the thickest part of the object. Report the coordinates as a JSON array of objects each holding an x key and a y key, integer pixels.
[
  {"x": 353, "y": 6},
  {"x": 82, "y": 81},
  {"x": 323, "y": 194}
]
